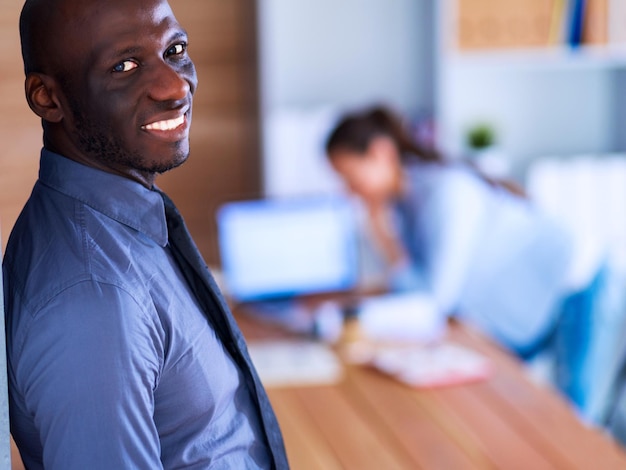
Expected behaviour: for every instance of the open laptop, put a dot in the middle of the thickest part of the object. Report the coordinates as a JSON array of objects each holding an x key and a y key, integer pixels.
[{"x": 276, "y": 249}]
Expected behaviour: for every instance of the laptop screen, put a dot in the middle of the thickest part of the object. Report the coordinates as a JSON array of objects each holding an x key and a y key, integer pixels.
[{"x": 280, "y": 248}]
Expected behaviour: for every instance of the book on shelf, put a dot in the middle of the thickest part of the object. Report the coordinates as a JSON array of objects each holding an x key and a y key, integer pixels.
[
  {"x": 575, "y": 19},
  {"x": 596, "y": 22},
  {"x": 558, "y": 23},
  {"x": 495, "y": 24}
]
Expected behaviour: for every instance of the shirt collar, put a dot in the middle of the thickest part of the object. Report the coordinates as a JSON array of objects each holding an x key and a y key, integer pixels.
[{"x": 119, "y": 198}]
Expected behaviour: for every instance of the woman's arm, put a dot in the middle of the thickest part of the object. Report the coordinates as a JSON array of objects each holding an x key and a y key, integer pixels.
[
  {"x": 384, "y": 234},
  {"x": 453, "y": 216}
]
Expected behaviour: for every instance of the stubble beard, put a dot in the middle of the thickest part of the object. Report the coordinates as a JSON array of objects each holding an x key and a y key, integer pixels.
[{"x": 100, "y": 142}]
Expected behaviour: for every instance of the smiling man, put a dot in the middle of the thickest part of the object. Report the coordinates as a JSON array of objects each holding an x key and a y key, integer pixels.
[{"x": 122, "y": 353}]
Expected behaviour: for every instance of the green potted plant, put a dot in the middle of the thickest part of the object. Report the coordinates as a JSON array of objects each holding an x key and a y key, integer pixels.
[
  {"x": 480, "y": 137},
  {"x": 481, "y": 142}
]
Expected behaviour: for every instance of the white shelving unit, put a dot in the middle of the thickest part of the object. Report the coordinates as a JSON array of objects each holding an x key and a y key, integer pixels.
[
  {"x": 583, "y": 57},
  {"x": 542, "y": 102}
]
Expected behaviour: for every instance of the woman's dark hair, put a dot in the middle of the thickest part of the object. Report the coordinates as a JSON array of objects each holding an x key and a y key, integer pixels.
[{"x": 355, "y": 131}]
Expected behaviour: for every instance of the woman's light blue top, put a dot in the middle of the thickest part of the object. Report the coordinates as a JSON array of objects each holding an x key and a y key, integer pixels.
[{"x": 482, "y": 252}]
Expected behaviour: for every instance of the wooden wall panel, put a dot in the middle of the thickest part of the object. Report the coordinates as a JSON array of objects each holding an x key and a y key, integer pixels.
[
  {"x": 20, "y": 130},
  {"x": 225, "y": 149}
]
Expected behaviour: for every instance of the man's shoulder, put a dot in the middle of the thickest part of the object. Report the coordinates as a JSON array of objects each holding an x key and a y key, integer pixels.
[
  {"x": 45, "y": 232},
  {"x": 58, "y": 241},
  {"x": 55, "y": 271}
]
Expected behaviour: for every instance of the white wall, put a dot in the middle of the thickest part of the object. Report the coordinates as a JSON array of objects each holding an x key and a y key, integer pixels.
[
  {"x": 346, "y": 52},
  {"x": 537, "y": 111}
]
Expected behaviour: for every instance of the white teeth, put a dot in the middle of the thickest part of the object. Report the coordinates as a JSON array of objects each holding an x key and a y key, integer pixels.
[{"x": 168, "y": 125}]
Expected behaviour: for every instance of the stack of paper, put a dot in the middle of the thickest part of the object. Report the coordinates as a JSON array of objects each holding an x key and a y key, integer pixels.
[
  {"x": 401, "y": 317},
  {"x": 295, "y": 363},
  {"x": 441, "y": 365}
]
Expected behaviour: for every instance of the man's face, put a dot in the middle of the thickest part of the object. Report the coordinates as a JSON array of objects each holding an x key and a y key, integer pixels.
[{"x": 128, "y": 84}]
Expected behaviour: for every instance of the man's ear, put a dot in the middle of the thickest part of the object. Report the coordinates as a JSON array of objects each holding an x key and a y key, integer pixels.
[{"x": 41, "y": 94}]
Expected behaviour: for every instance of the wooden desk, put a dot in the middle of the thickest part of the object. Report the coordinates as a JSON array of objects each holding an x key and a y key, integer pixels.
[{"x": 369, "y": 421}]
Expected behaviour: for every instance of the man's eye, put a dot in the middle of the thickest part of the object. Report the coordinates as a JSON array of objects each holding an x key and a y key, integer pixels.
[
  {"x": 125, "y": 66},
  {"x": 176, "y": 49}
]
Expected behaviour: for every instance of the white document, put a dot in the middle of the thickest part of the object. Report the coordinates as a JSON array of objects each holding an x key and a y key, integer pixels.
[
  {"x": 401, "y": 317},
  {"x": 295, "y": 363},
  {"x": 440, "y": 365}
]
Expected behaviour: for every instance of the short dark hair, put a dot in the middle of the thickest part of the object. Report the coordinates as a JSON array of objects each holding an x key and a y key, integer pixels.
[{"x": 37, "y": 21}]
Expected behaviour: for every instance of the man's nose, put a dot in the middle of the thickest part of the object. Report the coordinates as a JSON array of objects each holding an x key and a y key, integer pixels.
[{"x": 169, "y": 84}]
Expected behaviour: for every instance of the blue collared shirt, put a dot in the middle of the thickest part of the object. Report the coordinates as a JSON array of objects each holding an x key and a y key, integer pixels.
[{"x": 112, "y": 363}]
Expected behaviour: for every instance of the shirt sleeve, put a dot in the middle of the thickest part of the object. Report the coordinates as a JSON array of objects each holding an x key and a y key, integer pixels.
[
  {"x": 454, "y": 214},
  {"x": 87, "y": 372}
]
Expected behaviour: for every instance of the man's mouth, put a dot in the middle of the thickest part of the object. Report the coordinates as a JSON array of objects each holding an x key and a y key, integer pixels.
[{"x": 167, "y": 125}]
